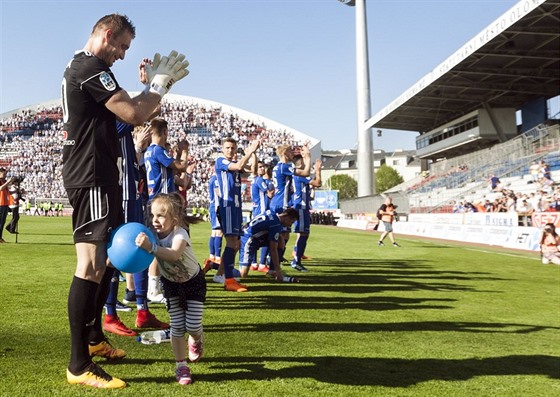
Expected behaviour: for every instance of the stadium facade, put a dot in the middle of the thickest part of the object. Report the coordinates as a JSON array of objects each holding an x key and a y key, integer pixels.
[{"x": 483, "y": 111}]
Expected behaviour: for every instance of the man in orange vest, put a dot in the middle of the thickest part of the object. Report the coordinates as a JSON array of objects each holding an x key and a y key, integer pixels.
[{"x": 4, "y": 200}]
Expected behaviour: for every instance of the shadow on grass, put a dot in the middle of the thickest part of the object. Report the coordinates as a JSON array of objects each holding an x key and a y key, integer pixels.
[
  {"x": 50, "y": 233},
  {"x": 387, "y": 372},
  {"x": 408, "y": 268},
  {"x": 349, "y": 276},
  {"x": 353, "y": 287},
  {"x": 353, "y": 284},
  {"x": 138, "y": 380},
  {"x": 356, "y": 263},
  {"x": 39, "y": 243},
  {"x": 436, "y": 326},
  {"x": 353, "y": 371},
  {"x": 373, "y": 303},
  {"x": 388, "y": 265}
]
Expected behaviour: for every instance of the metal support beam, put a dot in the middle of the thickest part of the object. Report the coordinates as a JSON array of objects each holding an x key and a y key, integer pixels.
[{"x": 366, "y": 179}]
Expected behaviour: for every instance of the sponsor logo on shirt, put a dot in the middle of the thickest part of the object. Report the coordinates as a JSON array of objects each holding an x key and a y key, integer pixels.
[
  {"x": 66, "y": 141},
  {"x": 107, "y": 81}
]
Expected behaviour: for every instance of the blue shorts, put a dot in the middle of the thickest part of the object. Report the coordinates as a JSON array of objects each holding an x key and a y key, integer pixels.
[
  {"x": 214, "y": 223},
  {"x": 133, "y": 211},
  {"x": 279, "y": 210},
  {"x": 303, "y": 222},
  {"x": 248, "y": 251},
  {"x": 231, "y": 219}
]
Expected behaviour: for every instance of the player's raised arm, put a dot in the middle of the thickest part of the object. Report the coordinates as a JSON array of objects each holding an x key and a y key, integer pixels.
[
  {"x": 242, "y": 163},
  {"x": 306, "y": 154},
  {"x": 316, "y": 181},
  {"x": 161, "y": 75}
]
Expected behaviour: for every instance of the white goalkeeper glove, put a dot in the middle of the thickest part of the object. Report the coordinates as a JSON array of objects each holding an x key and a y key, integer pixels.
[{"x": 166, "y": 71}]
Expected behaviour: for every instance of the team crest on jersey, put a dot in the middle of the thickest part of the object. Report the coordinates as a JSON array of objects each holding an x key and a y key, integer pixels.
[{"x": 107, "y": 81}]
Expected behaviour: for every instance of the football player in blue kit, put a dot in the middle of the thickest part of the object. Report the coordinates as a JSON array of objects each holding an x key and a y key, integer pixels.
[
  {"x": 301, "y": 200},
  {"x": 265, "y": 231},
  {"x": 161, "y": 168},
  {"x": 262, "y": 190},
  {"x": 282, "y": 177},
  {"x": 228, "y": 172}
]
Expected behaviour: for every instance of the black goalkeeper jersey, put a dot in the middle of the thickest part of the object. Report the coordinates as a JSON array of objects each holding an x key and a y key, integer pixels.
[{"x": 90, "y": 141}]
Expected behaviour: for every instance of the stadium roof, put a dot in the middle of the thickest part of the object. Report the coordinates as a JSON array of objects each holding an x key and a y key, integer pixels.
[{"x": 514, "y": 60}]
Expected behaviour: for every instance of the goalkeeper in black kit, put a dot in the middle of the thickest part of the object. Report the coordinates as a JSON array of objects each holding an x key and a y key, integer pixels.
[{"x": 92, "y": 101}]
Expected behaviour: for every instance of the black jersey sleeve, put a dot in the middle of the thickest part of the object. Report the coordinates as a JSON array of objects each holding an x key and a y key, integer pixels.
[{"x": 98, "y": 80}]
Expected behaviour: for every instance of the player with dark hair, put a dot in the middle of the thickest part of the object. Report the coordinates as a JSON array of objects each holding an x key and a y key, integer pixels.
[
  {"x": 228, "y": 172},
  {"x": 262, "y": 190},
  {"x": 92, "y": 100},
  {"x": 161, "y": 169},
  {"x": 264, "y": 231}
]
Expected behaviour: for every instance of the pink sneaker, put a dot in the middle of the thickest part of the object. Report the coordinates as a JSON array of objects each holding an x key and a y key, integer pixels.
[
  {"x": 183, "y": 375},
  {"x": 195, "y": 349}
]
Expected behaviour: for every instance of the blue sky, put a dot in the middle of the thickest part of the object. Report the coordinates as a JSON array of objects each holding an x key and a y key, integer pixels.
[{"x": 292, "y": 61}]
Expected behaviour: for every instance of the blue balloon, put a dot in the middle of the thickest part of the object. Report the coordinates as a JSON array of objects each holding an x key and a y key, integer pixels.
[{"x": 123, "y": 252}]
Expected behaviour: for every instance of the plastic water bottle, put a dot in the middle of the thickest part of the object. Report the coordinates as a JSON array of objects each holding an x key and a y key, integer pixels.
[{"x": 154, "y": 337}]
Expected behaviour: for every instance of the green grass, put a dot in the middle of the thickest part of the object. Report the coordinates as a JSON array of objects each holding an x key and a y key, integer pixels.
[{"x": 429, "y": 319}]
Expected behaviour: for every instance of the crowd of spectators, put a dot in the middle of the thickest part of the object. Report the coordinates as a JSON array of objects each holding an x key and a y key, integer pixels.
[
  {"x": 31, "y": 148},
  {"x": 509, "y": 201},
  {"x": 31, "y": 145},
  {"x": 545, "y": 197},
  {"x": 540, "y": 194}
]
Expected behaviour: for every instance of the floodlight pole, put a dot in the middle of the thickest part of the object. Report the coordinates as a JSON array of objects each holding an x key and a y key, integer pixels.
[{"x": 366, "y": 180}]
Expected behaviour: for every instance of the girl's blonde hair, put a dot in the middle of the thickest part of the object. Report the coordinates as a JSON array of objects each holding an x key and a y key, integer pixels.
[{"x": 171, "y": 204}]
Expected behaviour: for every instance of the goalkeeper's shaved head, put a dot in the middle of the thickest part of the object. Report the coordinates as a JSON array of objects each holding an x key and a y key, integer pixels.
[{"x": 117, "y": 23}]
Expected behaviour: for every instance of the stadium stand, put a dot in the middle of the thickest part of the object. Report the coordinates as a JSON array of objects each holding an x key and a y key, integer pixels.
[
  {"x": 30, "y": 145},
  {"x": 465, "y": 178}
]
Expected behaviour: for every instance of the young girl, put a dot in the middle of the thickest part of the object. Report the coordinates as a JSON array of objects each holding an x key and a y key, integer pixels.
[
  {"x": 549, "y": 245},
  {"x": 184, "y": 285}
]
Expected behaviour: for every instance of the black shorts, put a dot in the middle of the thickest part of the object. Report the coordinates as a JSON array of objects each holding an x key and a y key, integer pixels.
[
  {"x": 194, "y": 289},
  {"x": 96, "y": 212}
]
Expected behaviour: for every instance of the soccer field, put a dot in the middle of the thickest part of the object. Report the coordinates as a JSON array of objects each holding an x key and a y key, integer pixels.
[{"x": 429, "y": 319}]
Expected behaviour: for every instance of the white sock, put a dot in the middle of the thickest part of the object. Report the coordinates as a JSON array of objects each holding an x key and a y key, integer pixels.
[{"x": 153, "y": 285}]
